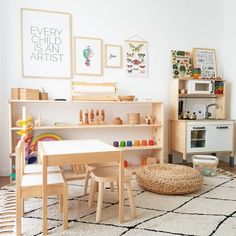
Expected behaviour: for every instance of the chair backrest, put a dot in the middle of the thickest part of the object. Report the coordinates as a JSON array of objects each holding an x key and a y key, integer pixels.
[{"x": 20, "y": 160}]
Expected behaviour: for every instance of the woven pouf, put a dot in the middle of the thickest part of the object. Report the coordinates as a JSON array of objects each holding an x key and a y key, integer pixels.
[{"x": 169, "y": 179}]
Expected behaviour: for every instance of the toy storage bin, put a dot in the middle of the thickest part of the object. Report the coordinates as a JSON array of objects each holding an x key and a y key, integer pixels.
[{"x": 206, "y": 164}]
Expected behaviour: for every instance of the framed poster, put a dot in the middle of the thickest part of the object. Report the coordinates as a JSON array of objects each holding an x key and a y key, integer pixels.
[
  {"x": 136, "y": 59},
  {"x": 205, "y": 59},
  {"x": 88, "y": 56},
  {"x": 46, "y": 44},
  {"x": 113, "y": 56},
  {"x": 181, "y": 64}
]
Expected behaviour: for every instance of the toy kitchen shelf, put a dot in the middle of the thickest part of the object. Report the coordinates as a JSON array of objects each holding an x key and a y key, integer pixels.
[
  {"x": 200, "y": 136},
  {"x": 155, "y": 130}
]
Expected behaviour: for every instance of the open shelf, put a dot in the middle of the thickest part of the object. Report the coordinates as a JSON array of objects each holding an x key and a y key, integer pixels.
[
  {"x": 200, "y": 95},
  {"x": 149, "y": 147},
  {"x": 53, "y": 127},
  {"x": 69, "y": 101}
]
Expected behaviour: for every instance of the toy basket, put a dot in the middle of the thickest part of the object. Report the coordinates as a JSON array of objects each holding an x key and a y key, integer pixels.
[{"x": 206, "y": 164}]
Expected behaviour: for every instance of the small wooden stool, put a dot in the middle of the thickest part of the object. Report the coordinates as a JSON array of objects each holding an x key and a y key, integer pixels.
[
  {"x": 90, "y": 167},
  {"x": 110, "y": 174}
]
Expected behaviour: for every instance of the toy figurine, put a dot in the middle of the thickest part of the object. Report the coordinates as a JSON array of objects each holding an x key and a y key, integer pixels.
[
  {"x": 148, "y": 120},
  {"x": 97, "y": 117},
  {"x": 81, "y": 117},
  {"x": 92, "y": 117},
  {"x": 86, "y": 119},
  {"x": 37, "y": 122},
  {"x": 102, "y": 117}
]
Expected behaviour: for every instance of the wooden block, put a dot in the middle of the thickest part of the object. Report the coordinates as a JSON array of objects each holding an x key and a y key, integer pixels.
[
  {"x": 15, "y": 93},
  {"x": 29, "y": 94}
]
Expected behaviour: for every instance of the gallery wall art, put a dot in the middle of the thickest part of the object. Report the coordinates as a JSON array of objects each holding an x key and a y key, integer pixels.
[
  {"x": 205, "y": 59},
  {"x": 46, "y": 44},
  {"x": 181, "y": 64},
  {"x": 88, "y": 57},
  {"x": 113, "y": 56},
  {"x": 136, "y": 59}
]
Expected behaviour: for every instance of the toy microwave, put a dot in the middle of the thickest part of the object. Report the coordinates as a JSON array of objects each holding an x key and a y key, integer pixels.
[{"x": 200, "y": 87}]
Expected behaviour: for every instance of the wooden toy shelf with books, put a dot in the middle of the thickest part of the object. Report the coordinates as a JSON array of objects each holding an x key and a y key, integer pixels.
[{"x": 95, "y": 119}]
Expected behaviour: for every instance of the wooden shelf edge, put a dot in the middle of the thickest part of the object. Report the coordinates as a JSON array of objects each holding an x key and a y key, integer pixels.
[
  {"x": 73, "y": 101},
  {"x": 91, "y": 126},
  {"x": 149, "y": 147}
]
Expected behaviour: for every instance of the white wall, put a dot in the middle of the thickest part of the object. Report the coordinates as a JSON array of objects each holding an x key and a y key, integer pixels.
[
  {"x": 166, "y": 25},
  {"x": 229, "y": 51}
]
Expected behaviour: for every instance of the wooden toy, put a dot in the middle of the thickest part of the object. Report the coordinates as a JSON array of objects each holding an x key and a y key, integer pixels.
[
  {"x": 92, "y": 117},
  {"x": 144, "y": 143},
  {"x": 102, "y": 117},
  {"x": 149, "y": 120},
  {"x": 122, "y": 144},
  {"x": 125, "y": 163},
  {"x": 86, "y": 119},
  {"x": 37, "y": 122},
  {"x": 81, "y": 117},
  {"x": 129, "y": 143},
  {"x": 97, "y": 117},
  {"x": 116, "y": 144},
  {"x": 117, "y": 121},
  {"x": 136, "y": 143},
  {"x": 151, "y": 160},
  {"x": 151, "y": 142}
]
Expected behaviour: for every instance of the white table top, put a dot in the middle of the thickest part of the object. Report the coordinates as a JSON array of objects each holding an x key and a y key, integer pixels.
[{"x": 62, "y": 147}]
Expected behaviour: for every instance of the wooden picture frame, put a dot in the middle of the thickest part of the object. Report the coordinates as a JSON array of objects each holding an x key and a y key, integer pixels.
[
  {"x": 46, "y": 44},
  {"x": 88, "y": 56},
  {"x": 205, "y": 59},
  {"x": 136, "y": 59},
  {"x": 113, "y": 56}
]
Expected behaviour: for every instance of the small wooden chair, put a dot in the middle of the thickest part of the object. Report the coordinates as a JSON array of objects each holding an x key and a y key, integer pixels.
[
  {"x": 110, "y": 174},
  {"x": 30, "y": 185},
  {"x": 90, "y": 167}
]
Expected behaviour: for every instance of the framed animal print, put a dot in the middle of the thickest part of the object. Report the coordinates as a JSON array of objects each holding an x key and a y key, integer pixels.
[
  {"x": 205, "y": 59},
  {"x": 88, "y": 56},
  {"x": 136, "y": 59}
]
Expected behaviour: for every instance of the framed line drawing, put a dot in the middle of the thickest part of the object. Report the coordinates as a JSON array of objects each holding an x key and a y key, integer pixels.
[
  {"x": 46, "y": 47},
  {"x": 136, "y": 59},
  {"x": 113, "y": 56},
  {"x": 88, "y": 56},
  {"x": 205, "y": 59}
]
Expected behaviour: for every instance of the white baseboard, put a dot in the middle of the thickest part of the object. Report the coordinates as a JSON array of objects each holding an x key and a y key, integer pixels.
[{"x": 4, "y": 172}]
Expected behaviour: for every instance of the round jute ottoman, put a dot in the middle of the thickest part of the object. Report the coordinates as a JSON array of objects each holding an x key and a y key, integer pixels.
[{"x": 169, "y": 179}]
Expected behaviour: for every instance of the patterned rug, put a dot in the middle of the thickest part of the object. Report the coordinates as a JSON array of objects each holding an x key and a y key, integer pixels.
[{"x": 210, "y": 211}]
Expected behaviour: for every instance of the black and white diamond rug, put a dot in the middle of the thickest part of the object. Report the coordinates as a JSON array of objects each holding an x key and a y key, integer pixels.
[{"x": 210, "y": 211}]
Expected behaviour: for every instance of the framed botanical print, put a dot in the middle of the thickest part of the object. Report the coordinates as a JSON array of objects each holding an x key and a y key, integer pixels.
[
  {"x": 205, "y": 59},
  {"x": 46, "y": 50},
  {"x": 113, "y": 56},
  {"x": 181, "y": 64},
  {"x": 136, "y": 59},
  {"x": 88, "y": 56}
]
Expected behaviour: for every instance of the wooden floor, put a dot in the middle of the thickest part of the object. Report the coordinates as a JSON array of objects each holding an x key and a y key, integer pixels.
[{"x": 222, "y": 165}]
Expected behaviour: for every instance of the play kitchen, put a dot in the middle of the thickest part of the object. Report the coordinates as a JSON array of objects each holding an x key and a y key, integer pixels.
[
  {"x": 198, "y": 119},
  {"x": 200, "y": 99}
]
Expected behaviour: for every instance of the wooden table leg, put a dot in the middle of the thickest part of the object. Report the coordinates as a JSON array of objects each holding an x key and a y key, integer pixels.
[
  {"x": 121, "y": 187},
  {"x": 44, "y": 191}
]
